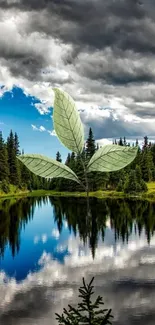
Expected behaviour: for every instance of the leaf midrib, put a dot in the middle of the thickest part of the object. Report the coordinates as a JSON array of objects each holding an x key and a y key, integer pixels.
[
  {"x": 106, "y": 154},
  {"x": 69, "y": 121},
  {"x": 56, "y": 163}
]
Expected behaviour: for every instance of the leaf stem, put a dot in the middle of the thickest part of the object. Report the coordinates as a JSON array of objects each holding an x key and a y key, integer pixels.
[{"x": 87, "y": 184}]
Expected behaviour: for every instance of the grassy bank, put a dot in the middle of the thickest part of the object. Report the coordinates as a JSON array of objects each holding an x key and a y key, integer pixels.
[
  {"x": 149, "y": 195},
  {"x": 13, "y": 192}
]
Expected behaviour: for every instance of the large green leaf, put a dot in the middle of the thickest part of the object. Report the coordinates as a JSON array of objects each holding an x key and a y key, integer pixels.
[
  {"x": 47, "y": 167},
  {"x": 67, "y": 122},
  {"x": 111, "y": 157}
]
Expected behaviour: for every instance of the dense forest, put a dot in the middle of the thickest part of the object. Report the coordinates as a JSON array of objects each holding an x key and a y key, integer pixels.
[{"x": 130, "y": 179}]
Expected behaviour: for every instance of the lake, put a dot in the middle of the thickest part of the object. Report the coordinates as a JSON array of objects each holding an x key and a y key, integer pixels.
[{"x": 47, "y": 244}]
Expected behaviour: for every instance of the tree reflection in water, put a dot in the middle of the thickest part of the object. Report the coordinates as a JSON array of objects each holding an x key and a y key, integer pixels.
[{"x": 124, "y": 216}]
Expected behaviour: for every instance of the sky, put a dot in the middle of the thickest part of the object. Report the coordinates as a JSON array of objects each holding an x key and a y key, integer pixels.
[{"x": 100, "y": 52}]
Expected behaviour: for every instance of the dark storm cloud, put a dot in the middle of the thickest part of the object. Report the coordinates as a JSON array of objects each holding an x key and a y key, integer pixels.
[
  {"x": 26, "y": 66},
  {"x": 112, "y": 70},
  {"x": 93, "y": 24},
  {"x": 90, "y": 26},
  {"x": 104, "y": 48},
  {"x": 108, "y": 128}
]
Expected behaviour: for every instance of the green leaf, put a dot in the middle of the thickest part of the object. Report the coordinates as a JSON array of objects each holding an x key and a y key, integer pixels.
[
  {"x": 111, "y": 157},
  {"x": 67, "y": 122},
  {"x": 47, "y": 167}
]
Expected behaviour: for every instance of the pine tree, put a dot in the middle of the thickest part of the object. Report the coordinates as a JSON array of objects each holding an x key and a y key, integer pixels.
[
  {"x": 25, "y": 177},
  {"x": 90, "y": 145},
  {"x": 138, "y": 174},
  {"x": 131, "y": 183},
  {"x": 18, "y": 163},
  {"x": 79, "y": 169},
  {"x": 67, "y": 162},
  {"x": 120, "y": 142},
  {"x": 137, "y": 142},
  {"x": 153, "y": 153},
  {"x": 90, "y": 149},
  {"x": 58, "y": 156},
  {"x": 137, "y": 160},
  {"x": 124, "y": 141},
  {"x": 145, "y": 144},
  {"x": 16, "y": 140},
  {"x": 72, "y": 163},
  {"x": 120, "y": 186},
  {"x": 87, "y": 312},
  {"x": 147, "y": 165},
  {"x": 12, "y": 160},
  {"x": 4, "y": 168},
  {"x": 57, "y": 183}
]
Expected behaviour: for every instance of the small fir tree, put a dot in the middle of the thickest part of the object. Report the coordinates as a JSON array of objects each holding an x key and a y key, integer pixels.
[
  {"x": 90, "y": 145},
  {"x": 58, "y": 156},
  {"x": 131, "y": 183},
  {"x": 120, "y": 142},
  {"x": 87, "y": 312}
]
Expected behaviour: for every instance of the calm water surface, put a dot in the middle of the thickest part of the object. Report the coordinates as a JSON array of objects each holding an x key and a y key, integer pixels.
[{"x": 48, "y": 244}]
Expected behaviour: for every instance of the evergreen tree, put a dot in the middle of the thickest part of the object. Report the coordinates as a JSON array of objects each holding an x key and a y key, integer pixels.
[
  {"x": 143, "y": 165},
  {"x": 79, "y": 170},
  {"x": 58, "y": 156},
  {"x": 87, "y": 312},
  {"x": 147, "y": 165},
  {"x": 138, "y": 174},
  {"x": 72, "y": 163},
  {"x": 134, "y": 182},
  {"x": 153, "y": 153},
  {"x": 25, "y": 177},
  {"x": 124, "y": 141},
  {"x": 90, "y": 149},
  {"x": 90, "y": 145},
  {"x": 67, "y": 162},
  {"x": 12, "y": 160},
  {"x": 120, "y": 186},
  {"x": 131, "y": 183},
  {"x": 114, "y": 178},
  {"x": 137, "y": 160},
  {"x": 18, "y": 163},
  {"x": 137, "y": 142},
  {"x": 58, "y": 182},
  {"x": 16, "y": 140},
  {"x": 120, "y": 142},
  {"x": 145, "y": 144},
  {"x": 4, "y": 168}
]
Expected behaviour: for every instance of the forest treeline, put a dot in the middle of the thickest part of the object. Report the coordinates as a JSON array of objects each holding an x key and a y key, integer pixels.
[{"x": 133, "y": 178}]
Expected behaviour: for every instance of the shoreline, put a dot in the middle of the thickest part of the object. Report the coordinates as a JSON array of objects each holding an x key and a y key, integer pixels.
[{"x": 150, "y": 195}]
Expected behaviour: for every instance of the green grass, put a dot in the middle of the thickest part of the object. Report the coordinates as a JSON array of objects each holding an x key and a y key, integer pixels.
[
  {"x": 151, "y": 186},
  {"x": 151, "y": 190},
  {"x": 14, "y": 192}
]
